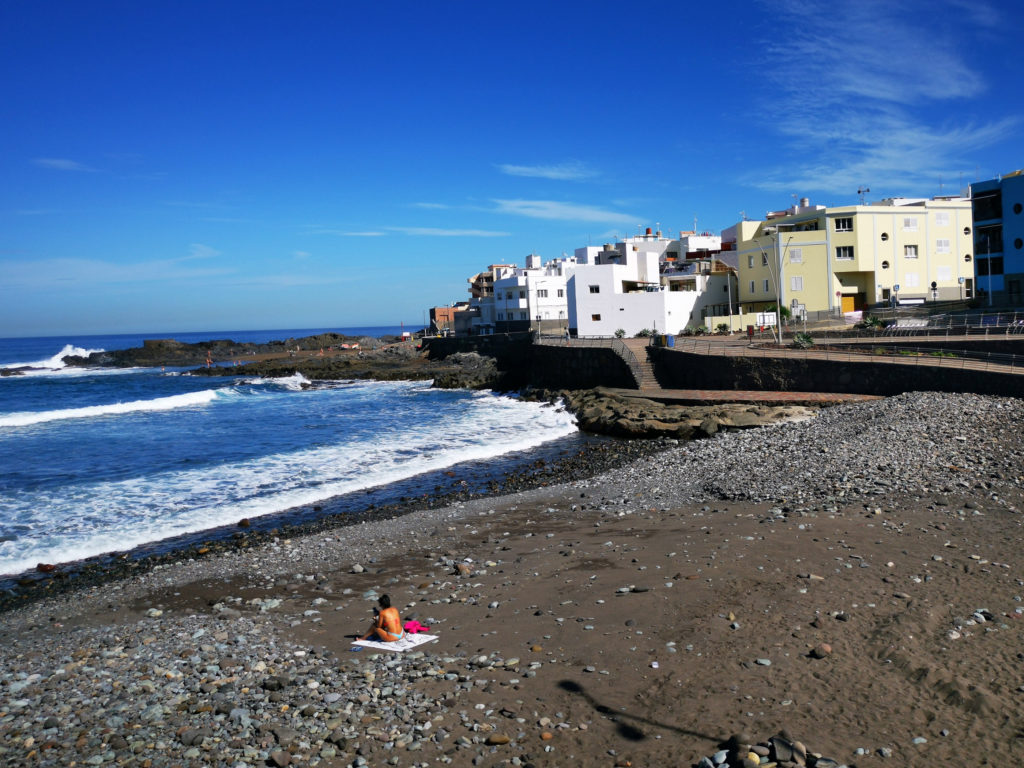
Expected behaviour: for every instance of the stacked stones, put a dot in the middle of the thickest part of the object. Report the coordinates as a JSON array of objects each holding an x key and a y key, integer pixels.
[{"x": 780, "y": 751}]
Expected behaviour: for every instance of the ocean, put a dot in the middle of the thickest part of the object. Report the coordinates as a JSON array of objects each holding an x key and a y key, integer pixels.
[{"x": 103, "y": 460}]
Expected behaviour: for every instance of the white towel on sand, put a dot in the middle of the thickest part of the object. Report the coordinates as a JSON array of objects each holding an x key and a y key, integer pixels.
[{"x": 405, "y": 644}]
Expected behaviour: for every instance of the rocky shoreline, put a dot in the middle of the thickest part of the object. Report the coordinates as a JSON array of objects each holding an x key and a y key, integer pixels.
[
  {"x": 323, "y": 358},
  {"x": 853, "y": 580}
]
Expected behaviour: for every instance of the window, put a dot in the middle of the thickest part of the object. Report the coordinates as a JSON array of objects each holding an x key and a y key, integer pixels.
[
  {"x": 988, "y": 239},
  {"x": 766, "y": 286},
  {"x": 751, "y": 286},
  {"x": 796, "y": 283},
  {"x": 764, "y": 259},
  {"x": 911, "y": 280},
  {"x": 596, "y": 318},
  {"x": 522, "y": 315},
  {"x": 796, "y": 255},
  {"x": 522, "y": 294},
  {"x": 501, "y": 316},
  {"x": 942, "y": 245},
  {"x": 1017, "y": 208},
  {"x": 945, "y": 273},
  {"x": 844, "y": 225},
  {"x": 994, "y": 263},
  {"x": 910, "y": 251},
  {"x": 561, "y": 293},
  {"x": 1018, "y": 243},
  {"x": 595, "y": 289},
  {"x": 750, "y": 262},
  {"x": 910, "y": 223},
  {"x": 510, "y": 295},
  {"x": 844, "y": 252},
  {"x": 987, "y": 206},
  {"x": 542, "y": 293},
  {"x": 885, "y": 236},
  {"x": 942, "y": 219},
  {"x": 885, "y": 265}
]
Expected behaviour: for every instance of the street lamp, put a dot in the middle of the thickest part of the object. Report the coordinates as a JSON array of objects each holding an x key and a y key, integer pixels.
[{"x": 774, "y": 233}]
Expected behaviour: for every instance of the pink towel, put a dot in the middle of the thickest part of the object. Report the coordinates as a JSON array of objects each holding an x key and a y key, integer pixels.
[{"x": 413, "y": 627}]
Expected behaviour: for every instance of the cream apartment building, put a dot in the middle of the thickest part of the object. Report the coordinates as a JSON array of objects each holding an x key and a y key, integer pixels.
[{"x": 845, "y": 259}]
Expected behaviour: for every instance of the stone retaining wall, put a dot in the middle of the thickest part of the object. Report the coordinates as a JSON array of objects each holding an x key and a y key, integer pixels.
[
  {"x": 683, "y": 370},
  {"x": 524, "y": 364}
]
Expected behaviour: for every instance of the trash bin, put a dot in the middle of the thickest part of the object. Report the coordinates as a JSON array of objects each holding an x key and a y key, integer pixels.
[{"x": 670, "y": 340}]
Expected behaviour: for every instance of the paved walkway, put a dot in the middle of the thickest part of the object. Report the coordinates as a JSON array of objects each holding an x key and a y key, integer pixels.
[{"x": 754, "y": 397}]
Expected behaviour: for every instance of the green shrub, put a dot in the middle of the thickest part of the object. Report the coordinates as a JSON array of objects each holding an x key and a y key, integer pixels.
[
  {"x": 620, "y": 333},
  {"x": 722, "y": 328},
  {"x": 803, "y": 340},
  {"x": 702, "y": 330},
  {"x": 644, "y": 333}
]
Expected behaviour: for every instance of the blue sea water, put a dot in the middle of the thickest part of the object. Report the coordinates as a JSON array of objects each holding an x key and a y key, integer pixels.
[{"x": 94, "y": 461}]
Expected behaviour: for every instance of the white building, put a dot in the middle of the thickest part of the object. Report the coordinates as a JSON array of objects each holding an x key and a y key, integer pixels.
[
  {"x": 623, "y": 291},
  {"x": 533, "y": 297},
  {"x": 648, "y": 282}
]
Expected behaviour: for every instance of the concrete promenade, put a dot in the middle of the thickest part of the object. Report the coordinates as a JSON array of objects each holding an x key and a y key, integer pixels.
[{"x": 753, "y": 397}]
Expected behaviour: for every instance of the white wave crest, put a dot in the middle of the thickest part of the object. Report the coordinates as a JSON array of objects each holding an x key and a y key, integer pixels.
[
  {"x": 56, "y": 362},
  {"x": 27, "y": 418},
  {"x": 111, "y": 515},
  {"x": 295, "y": 382}
]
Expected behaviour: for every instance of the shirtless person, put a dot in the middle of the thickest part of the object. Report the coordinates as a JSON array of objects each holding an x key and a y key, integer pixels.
[{"x": 387, "y": 625}]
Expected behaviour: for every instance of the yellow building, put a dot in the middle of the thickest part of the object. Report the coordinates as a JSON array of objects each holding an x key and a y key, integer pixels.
[{"x": 837, "y": 260}]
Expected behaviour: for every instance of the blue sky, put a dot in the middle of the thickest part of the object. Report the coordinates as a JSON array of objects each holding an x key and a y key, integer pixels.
[{"x": 194, "y": 166}]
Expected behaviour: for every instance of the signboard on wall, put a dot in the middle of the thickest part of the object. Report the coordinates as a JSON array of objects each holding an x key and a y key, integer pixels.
[{"x": 766, "y": 319}]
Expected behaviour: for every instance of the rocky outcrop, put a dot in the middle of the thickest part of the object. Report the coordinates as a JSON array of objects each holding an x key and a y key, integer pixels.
[
  {"x": 173, "y": 353},
  {"x": 469, "y": 370},
  {"x": 601, "y": 412}
]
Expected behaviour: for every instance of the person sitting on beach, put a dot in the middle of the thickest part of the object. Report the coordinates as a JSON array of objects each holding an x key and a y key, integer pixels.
[{"x": 387, "y": 625}]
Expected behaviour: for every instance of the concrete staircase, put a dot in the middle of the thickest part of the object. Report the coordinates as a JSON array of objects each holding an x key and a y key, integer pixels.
[{"x": 639, "y": 365}]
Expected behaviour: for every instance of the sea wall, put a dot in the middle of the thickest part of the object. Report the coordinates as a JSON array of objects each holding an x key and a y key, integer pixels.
[
  {"x": 683, "y": 370},
  {"x": 524, "y": 364}
]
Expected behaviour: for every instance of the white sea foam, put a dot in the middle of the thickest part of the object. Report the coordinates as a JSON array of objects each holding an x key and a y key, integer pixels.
[
  {"x": 56, "y": 362},
  {"x": 90, "y": 519},
  {"x": 295, "y": 382},
  {"x": 27, "y": 418}
]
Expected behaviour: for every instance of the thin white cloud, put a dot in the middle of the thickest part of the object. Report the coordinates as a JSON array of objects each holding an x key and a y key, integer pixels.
[
  {"x": 432, "y": 206},
  {"x": 571, "y": 171},
  {"x": 301, "y": 254},
  {"x": 345, "y": 232},
  {"x": 95, "y": 272},
  {"x": 554, "y": 210},
  {"x": 859, "y": 101},
  {"x": 200, "y": 251},
  {"x": 441, "y": 232},
  {"x": 62, "y": 164}
]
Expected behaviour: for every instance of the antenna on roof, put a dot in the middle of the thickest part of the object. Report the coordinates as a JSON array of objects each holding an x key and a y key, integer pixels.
[{"x": 862, "y": 191}]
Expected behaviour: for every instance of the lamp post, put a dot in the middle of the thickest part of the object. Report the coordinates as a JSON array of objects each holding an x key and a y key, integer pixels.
[{"x": 773, "y": 232}]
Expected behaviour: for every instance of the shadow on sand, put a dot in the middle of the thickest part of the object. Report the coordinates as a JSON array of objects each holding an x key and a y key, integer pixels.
[{"x": 626, "y": 730}]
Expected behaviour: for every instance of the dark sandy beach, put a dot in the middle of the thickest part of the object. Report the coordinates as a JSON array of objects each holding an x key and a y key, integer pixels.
[{"x": 853, "y": 580}]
